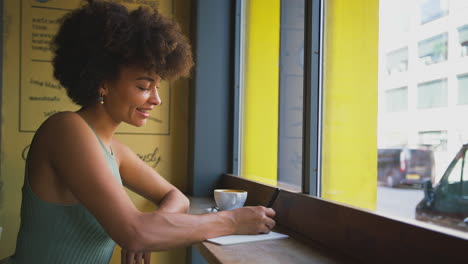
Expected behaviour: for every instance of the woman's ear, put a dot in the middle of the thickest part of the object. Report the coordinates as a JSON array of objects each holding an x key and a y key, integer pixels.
[{"x": 103, "y": 88}]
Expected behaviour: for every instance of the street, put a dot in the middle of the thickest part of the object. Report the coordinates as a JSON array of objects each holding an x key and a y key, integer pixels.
[{"x": 398, "y": 201}]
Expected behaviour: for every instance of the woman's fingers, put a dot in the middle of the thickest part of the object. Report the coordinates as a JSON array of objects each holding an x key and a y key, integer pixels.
[
  {"x": 130, "y": 257},
  {"x": 253, "y": 220},
  {"x": 270, "y": 212},
  {"x": 270, "y": 223},
  {"x": 147, "y": 257},
  {"x": 138, "y": 258},
  {"x": 123, "y": 256}
]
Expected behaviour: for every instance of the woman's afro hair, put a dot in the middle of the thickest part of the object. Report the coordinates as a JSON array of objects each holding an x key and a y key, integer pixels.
[{"x": 95, "y": 41}]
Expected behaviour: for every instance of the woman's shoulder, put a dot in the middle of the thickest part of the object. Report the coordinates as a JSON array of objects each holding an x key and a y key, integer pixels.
[
  {"x": 57, "y": 134},
  {"x": 59, "y": 125},
  {"x": 61, "y": 120},
  {"x": 66, "y": 116}
]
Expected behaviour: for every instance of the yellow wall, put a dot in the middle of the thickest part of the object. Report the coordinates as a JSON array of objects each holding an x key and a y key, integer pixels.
[
  {"x": 350, "y": 102},
  {"x": 261, "y": 89},
  {"x": 167, "y": 150}
]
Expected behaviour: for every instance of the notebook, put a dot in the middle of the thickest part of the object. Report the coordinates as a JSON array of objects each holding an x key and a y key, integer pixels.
[{"x": 237, "y": 239}]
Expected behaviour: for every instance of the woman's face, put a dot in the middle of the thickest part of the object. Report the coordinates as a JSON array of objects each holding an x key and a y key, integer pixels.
[{"x": 131, "y": 98}]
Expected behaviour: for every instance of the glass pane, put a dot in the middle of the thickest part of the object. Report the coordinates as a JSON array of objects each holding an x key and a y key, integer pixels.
[
  {"x": 462, "y": 89},
  {"x": 260, "y": 92},
  {"x": 435, "y": 140},
  {"x": 432, "y": 94},
  {"x": 397, "y": 61},
  {"x": 291, "y": 93},
  {"x": 463, "y": 40},
  {"x": 420, "y": 136},
  {"x": 464, "y": 179},
  {"x": 433, "y": 50},
  {"x": 396, "y": 99},
  {"x": 456, "y": 172},
  {"x": 433, "y": 9},
  {"x": 349, "y": 119},
  {"x": 272, "y": 94}
]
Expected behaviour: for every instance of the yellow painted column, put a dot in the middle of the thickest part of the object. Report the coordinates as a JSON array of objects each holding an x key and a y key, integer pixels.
[
  {"x": 350, "y": 102},
  {"x": 261, "y": 89}
]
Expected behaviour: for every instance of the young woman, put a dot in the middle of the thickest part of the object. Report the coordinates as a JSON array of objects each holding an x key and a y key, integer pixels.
[{"x": 74, "y": 206}]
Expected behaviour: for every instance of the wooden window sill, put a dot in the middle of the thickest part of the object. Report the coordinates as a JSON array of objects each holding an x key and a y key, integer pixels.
[{"x": 327, "y": 232}]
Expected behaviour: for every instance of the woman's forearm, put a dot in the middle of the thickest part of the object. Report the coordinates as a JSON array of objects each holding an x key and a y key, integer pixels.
[
  {"x": 174, "y": 202},
  {"x": 158, "y": 231}
]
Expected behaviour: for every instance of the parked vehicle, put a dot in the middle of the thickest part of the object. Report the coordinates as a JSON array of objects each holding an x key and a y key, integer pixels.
[
  {"x": 403, "y": 166},
  {"x": 447, "y": 203}
]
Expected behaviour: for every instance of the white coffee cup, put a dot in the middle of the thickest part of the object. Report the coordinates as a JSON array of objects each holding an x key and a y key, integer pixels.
[{"x": 229, "y": 199}]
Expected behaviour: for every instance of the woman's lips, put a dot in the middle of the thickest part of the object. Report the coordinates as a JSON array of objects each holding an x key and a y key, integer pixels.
[{"x": 144, "y": 112}]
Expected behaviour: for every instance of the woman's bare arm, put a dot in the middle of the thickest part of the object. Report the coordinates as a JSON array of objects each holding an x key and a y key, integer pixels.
[
  {"x": 144, "y": 180},
  {"x": 78, "y": 158}
]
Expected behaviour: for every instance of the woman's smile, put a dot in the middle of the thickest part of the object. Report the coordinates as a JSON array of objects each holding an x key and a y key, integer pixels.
[{"x": 144, "y": 111}]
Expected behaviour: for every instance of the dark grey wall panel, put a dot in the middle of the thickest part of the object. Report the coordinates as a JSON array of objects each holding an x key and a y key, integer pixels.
[{"x": 211, "y": 154}]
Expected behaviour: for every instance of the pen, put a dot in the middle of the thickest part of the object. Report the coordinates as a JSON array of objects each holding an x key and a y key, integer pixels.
[{"x": 273, "y": 198}]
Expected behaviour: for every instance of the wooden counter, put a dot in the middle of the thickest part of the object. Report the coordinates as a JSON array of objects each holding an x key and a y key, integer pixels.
[{"x": 289, "y": 250}]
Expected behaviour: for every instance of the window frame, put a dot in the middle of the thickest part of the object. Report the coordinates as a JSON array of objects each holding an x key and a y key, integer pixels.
[
  {"x": 313, "y": 93},
  {"x": 205, "y": 177}
]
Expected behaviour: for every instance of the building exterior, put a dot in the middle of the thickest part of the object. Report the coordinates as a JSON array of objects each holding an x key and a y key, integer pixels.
[{"x": 423, "y": 76}]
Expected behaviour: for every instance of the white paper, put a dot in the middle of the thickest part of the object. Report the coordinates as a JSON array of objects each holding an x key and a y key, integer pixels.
[{"x": 237, "y": 239}]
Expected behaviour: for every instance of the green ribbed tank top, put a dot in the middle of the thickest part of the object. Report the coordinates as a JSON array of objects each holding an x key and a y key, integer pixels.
[{"x": 55, "y": 233}]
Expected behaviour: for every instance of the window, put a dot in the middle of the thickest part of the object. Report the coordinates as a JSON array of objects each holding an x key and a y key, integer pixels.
[
  {"x": 397, "y": 99},
  {"x": 464, "y": 180},
  {"x": 456, "y": 173},
  {"x": 463, "y": 40},
  {"x": 433, "y": 50},
  {"x": 433, "y": 9},
  {"x": 259, "y": 99},
  {"x": 272, "y": 100},
  {"x": 430, "y": 131},
  {"x": 432, "y": 94},
  {"x": 397, "y": 61},
  {"x": 462, "y": 89},
  {"x": 434, "y": 140},
  {"x": 291, "y": 83},
  {"x": 348, "y": 150},
  {"x": 412, "y": 123}
]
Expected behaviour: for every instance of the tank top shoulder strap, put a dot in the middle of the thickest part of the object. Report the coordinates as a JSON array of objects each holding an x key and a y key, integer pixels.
[
  {"x": 109, "y": 156},
  {"x": 99, "y": 139}
]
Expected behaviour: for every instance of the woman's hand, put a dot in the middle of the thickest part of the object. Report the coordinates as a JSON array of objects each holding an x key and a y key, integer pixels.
[
  {"x": 130, "y": 257},
  {"x": 253, "y": 220}
]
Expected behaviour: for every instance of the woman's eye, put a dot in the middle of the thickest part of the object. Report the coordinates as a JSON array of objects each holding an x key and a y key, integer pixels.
[{"x": 143, "y": 88}]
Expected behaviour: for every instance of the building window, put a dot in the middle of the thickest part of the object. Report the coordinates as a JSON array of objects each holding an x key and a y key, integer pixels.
[
  {"x": 434, "y": 140},
  {"x": 432, "y": 94},
  {"x": 463, "y": 40},
  {"x": 433, "y": 9},
  {"x": 433, "y": 50},
  {"x": 397, "y": 61},
  {"x": 396, "y": 100},
  {"x": 462, "y": 89}
]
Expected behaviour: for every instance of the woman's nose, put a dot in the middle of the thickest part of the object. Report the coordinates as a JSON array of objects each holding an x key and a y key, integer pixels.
[{"x": 154, "y": 98}]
